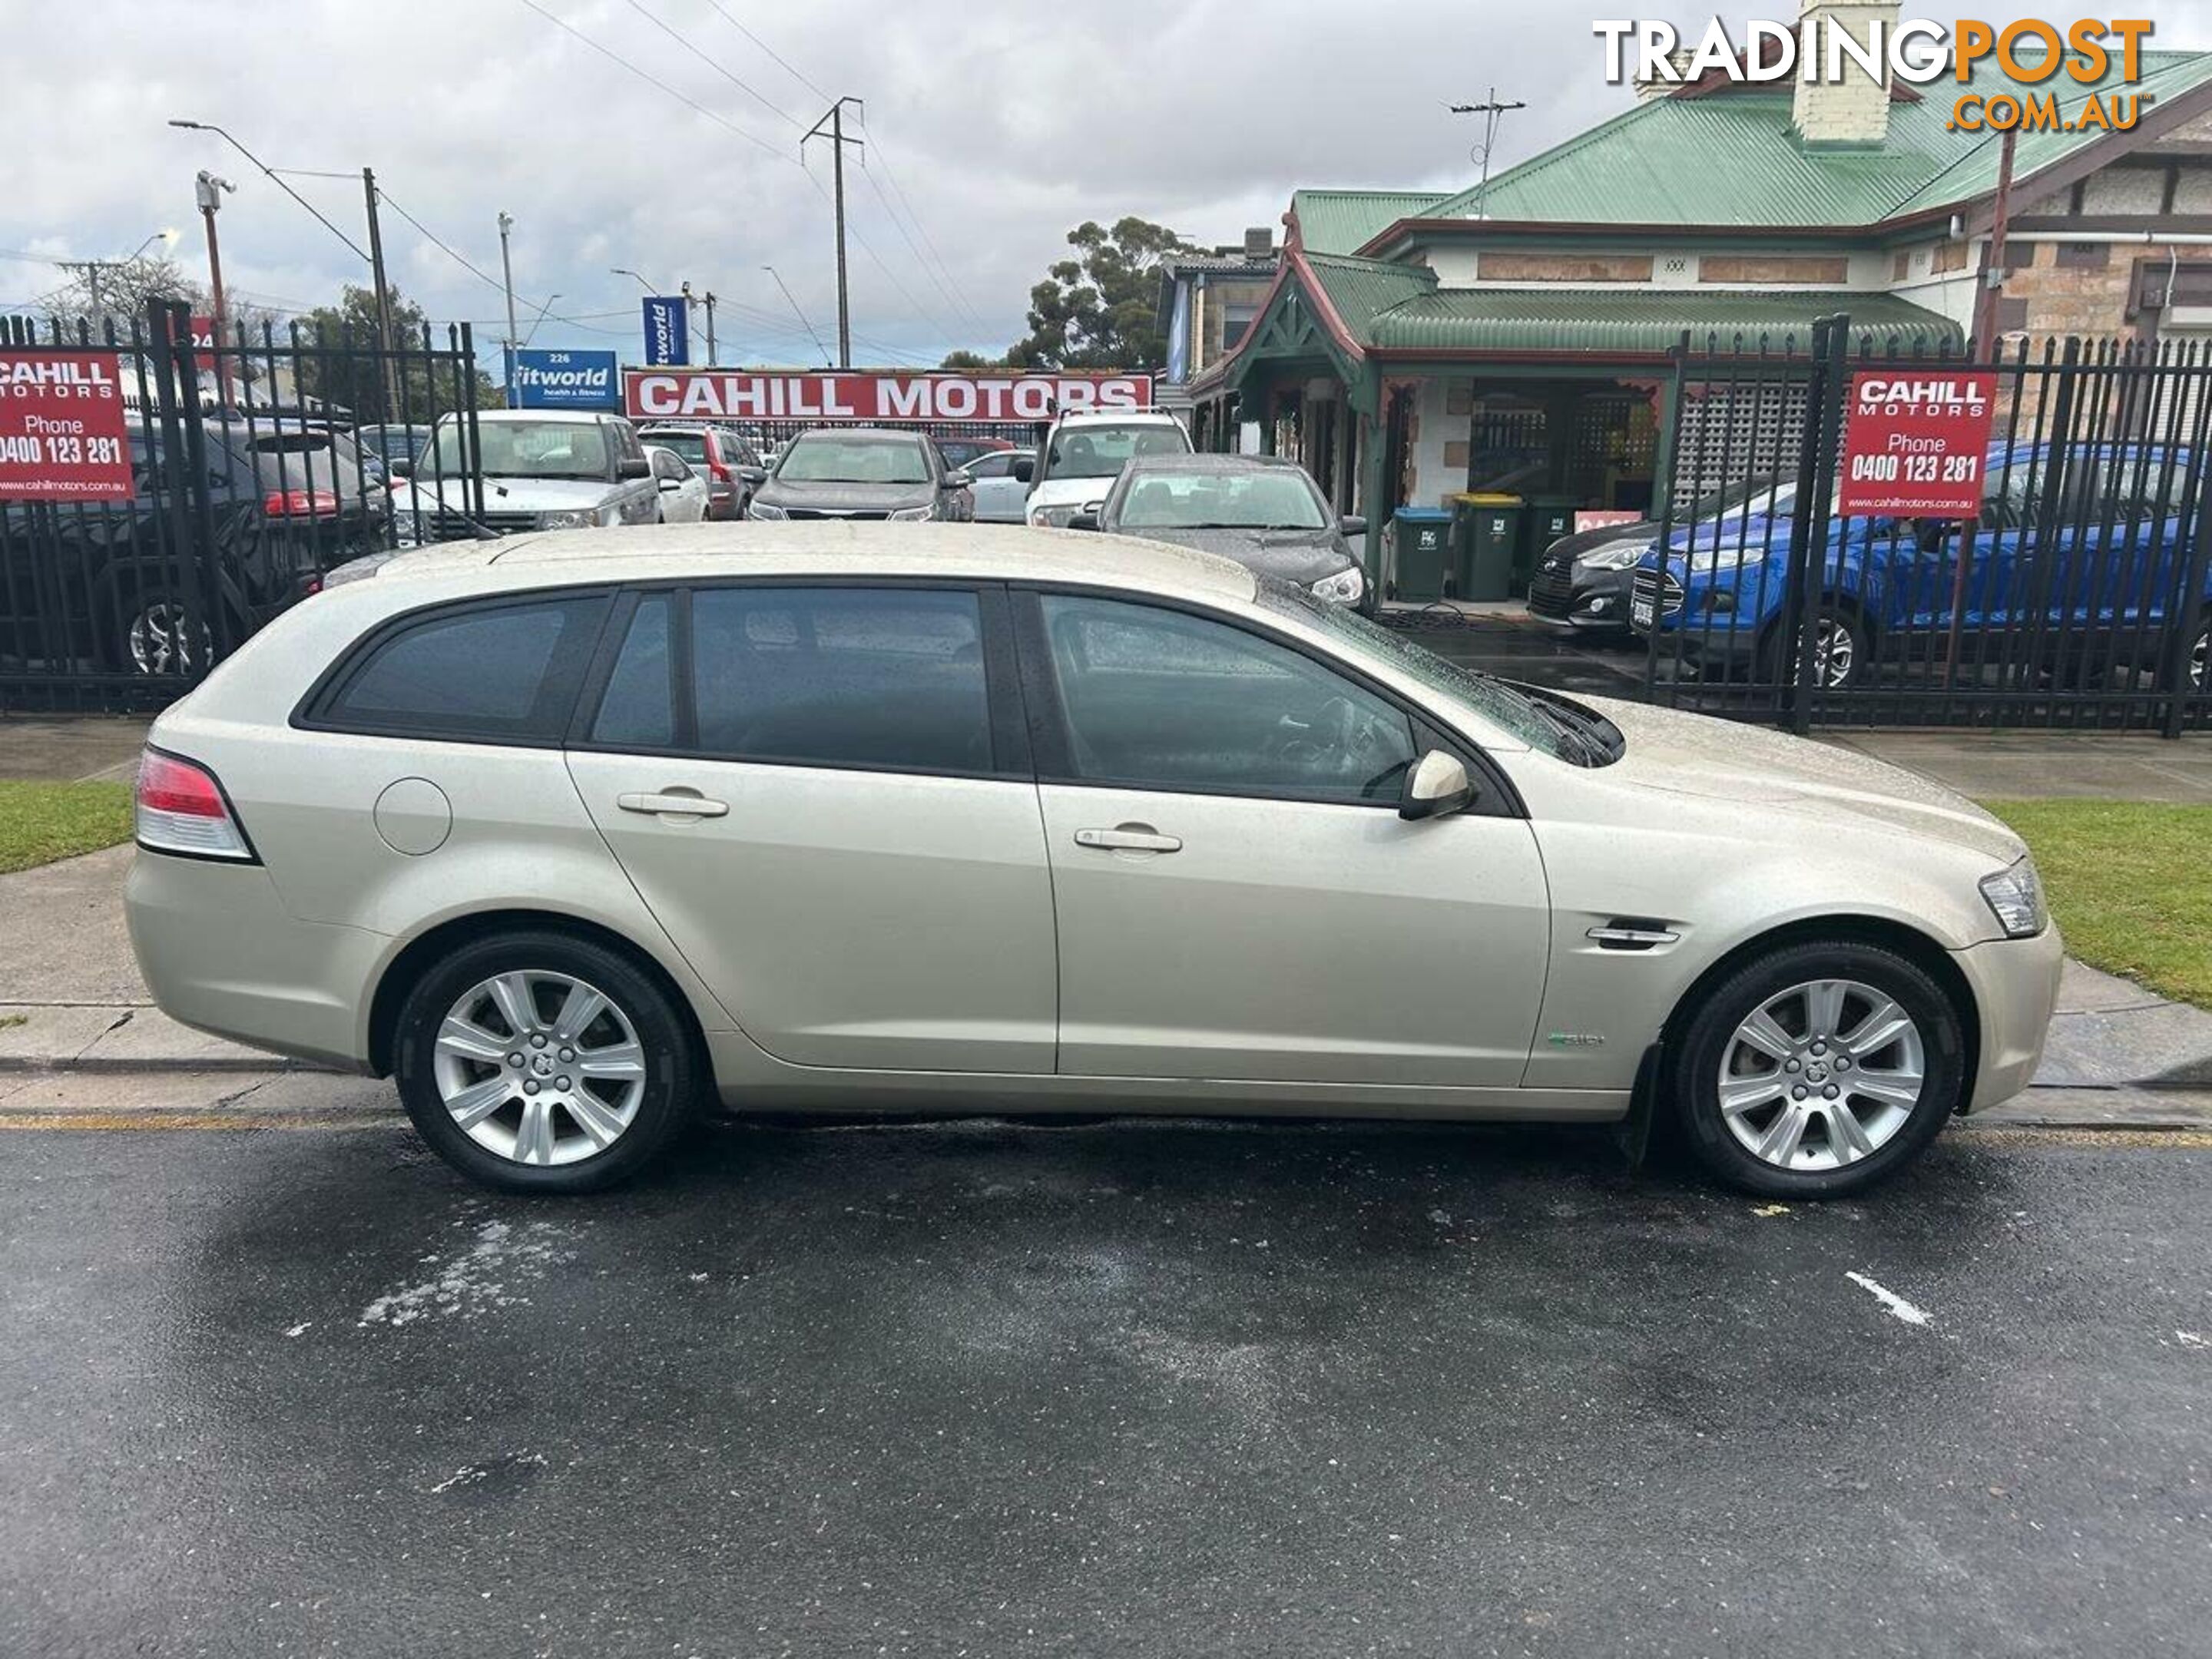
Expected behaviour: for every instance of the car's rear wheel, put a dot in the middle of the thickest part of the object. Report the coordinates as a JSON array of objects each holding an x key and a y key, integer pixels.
[
  {"x": 2198, "y": 649},
  {"x": 539, "y": 1063},
  {"x": 163, "y": 630},
  {"x": 1816, "y": 1069}
]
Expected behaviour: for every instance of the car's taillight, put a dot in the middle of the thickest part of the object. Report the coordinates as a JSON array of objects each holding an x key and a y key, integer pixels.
[
  {"x": 300, "y": 504},
  {"x": 719, "y": 469},
  {"x": 182, "y": 808}
]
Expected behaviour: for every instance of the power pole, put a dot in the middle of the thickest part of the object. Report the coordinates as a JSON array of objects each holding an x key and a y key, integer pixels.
[
  {"x": 1491, "y": 112},
  {"x": 513, "y": 334},
  {"x": 836, "y": 119},
  {"x": 690, "y": 304},
  {"x": 209, "y": 189},
  {"x": 383, "y": 295},
  {"x": 713, "y": 361},
  {"x": 1984, "y": 342}
]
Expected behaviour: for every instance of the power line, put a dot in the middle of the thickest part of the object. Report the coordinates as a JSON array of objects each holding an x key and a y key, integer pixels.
[
  {"x": 790, "y": 69},
  {"x": 751, "y": 92},
  {"x": 881, "y": 160},
  {"x": 624, "y": 63},
  {"x": 920, "y": 258}
]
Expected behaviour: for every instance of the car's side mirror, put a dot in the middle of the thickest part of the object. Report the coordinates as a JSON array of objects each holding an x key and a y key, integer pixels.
[
  {"x": 633, "y": 466},
  {"x": 667, "y": 485},
  {"x": 1352, "y": 524},
  {"x": 1025, "y": 470},
  {"x": 959, "y": 481},
  {"x": 399, "y": 467},
  {"x": 753, "y": 474},
  {"x": 1087, "y": 519},
  {"x": 1437, "y": 787}
]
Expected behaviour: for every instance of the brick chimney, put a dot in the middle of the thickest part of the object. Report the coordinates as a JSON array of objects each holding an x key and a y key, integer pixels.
[{"x": 1853, "y": 109}]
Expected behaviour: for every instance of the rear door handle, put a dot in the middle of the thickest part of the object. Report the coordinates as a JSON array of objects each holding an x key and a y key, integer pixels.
[
  {"x": 1129, "y": 838},
  {"x": 674, "y": 802}
]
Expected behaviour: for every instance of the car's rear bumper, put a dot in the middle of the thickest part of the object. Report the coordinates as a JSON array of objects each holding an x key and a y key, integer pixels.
[
  {"x": 223, "y": 955},
  {"x": 2015, "y": 983}
]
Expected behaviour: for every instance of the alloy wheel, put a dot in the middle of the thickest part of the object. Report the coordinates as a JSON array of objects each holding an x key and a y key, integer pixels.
[
  {"x": 2197, "y": 652},
  {"x": 1822, "y": 1075},
  {"x": 540, "y": 1069},
  {"x": 167, "y": 638},
  {"x": 1834, "y": 653}
]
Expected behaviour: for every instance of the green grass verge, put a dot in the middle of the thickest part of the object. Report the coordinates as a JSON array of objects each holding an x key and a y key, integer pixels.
[
  {"x": 2130, "y": 884},
  {"x": 42, "y": 821}
]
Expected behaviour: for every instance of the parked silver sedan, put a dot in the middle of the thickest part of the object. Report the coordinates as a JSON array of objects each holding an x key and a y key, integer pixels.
[{"x": 570, "y": 834}]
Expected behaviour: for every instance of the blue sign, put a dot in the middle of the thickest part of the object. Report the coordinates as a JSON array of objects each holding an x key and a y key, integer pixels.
[
  {"x": 566, "y": 380},
  {"x": 667, "y": 331}
]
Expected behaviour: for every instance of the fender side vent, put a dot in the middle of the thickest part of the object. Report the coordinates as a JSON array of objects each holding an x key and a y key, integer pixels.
[{"x": 1634, "y": 933}]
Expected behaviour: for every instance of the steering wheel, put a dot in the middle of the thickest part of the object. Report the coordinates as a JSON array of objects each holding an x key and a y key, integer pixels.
[{"x": 1327, "y": 734}]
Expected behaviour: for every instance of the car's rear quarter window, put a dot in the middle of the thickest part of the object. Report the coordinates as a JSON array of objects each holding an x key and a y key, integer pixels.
[{"x": 489, "y": 673}]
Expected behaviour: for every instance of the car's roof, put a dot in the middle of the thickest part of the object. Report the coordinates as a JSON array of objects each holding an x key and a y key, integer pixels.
[
  {"x": 1119, "y": 418},
  {"x": 571, "y": 416},
  {"x": 867, "y": 435},
  {"x": 1211, "y": 463},
  {"x": 682, "y": 552}
]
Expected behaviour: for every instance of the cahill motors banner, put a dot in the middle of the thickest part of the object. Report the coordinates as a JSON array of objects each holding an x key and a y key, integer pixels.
[{"x": 716, "y": 394}]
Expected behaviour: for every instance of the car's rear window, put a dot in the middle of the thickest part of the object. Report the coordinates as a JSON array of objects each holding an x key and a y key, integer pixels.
[
  {"x": 505, "y": 674},
  {"x": 691, "y": 446}
]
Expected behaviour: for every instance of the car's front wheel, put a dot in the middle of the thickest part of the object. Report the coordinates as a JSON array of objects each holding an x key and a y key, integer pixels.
[
  {"x": 539, "y": 1063},
  {"x": 1816, "y": 1070},
  {"x": 1840, "y": 650}
]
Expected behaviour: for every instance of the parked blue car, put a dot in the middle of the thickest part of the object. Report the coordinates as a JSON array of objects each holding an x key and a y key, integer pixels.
[{"x": 2100, "y": 575}]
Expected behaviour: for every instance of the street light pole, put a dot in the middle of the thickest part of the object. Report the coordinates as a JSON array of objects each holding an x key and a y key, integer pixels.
[
  {"x": 507, "y": 272},
  {"x": 835, "y": 119},
  {"x": 210, "y": 191},
  {"x": 209, "y": 126}
]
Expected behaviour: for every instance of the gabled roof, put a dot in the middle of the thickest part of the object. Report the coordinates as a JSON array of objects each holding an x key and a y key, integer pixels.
[
  {"x": 1360, "y": 290},
  {"x": 1732, "y": 158},
  {"x": 1344, "y": 220}
]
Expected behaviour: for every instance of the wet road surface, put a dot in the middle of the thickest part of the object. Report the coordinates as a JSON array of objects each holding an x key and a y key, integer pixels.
[{"x": 1112, "y": 1388}]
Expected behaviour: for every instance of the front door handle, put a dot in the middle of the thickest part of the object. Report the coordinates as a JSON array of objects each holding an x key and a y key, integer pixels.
[
  {"x": 1129, "y": 838},
  {"x": 676, "y": 802}
]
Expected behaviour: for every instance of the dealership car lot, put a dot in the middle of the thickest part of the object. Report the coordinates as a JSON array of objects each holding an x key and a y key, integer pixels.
[{"x": 1262, "y": 1389}]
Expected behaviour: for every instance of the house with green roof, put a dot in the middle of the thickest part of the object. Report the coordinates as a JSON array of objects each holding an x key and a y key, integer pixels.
[{"x": 1519, "y": 334}]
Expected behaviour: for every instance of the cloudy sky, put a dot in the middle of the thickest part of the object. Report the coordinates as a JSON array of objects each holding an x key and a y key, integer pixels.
[{"x": 992, "y": 127}]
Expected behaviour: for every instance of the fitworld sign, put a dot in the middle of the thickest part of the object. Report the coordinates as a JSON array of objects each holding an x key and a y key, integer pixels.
[
  {"x": 565, "y": 380},
  {"x": 711, "y": 394}
]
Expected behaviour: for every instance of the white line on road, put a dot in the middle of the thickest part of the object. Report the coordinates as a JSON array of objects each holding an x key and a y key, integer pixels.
[{"x": 1890, "y": 1300}]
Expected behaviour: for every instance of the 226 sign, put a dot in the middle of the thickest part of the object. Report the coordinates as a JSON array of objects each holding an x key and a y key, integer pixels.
[{"x": 1914, "y": 443}]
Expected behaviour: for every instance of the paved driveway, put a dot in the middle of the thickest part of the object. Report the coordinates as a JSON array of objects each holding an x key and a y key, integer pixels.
[{"x": 1119, "y": 1389}]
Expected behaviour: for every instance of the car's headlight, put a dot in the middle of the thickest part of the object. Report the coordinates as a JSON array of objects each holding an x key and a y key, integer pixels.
[
  {"x": 1344, "y": 587},
  {"x": 2015, "y": 896},
  {"x": 568, "y": 520},
  {"x": 1623, "y": 557},
  {"x": 914, "y": 514},
  {"x": 763, "y": 510},
  {"x": 1053, "y": 518}
]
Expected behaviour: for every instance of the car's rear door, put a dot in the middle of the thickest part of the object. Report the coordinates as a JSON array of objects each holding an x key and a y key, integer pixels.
[
  {"x": 824, "y": 793},
  {"x": 1237, "y": 897}
]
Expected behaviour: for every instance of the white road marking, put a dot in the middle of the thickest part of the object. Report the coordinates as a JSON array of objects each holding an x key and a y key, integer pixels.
[{"x": 1890, "y": 1300}]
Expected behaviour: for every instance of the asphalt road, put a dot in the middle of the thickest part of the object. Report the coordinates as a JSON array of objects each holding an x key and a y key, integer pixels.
[{"x": 1121, "y": 1389}]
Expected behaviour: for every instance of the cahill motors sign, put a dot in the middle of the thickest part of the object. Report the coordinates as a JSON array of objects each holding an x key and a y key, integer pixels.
[
  {"x": 2030, "y": 52},
  {"x": 1914, "y": 443},
  {"x": 714, "y": 394}
]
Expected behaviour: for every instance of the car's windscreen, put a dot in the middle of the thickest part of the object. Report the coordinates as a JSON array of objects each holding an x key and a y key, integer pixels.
[
  {"x": 1275, "y": 498},
  {"x": 1100, "y": 452},
  {"x": 1547, "y": 726},
  {"x": 522, "y": 449},
  {"x": 853, "y": 460},
  {"x": 691, "y": 446}
]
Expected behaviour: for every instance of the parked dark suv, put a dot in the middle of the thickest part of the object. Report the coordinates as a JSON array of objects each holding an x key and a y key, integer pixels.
[{"x": 118, "y": 583}]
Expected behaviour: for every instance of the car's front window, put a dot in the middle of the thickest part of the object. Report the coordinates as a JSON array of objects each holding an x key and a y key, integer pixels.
[
  {"x": 1101, "y": 452},
  {"x": 1275, "y": 499},
  {"x": 1547, "y": 724},
  {"x": 522, "y": 449},
  {"x": 847, "y": 460}
]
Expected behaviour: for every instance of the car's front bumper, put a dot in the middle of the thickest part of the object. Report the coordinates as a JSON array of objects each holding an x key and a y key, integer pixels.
[
  {"x": 2015, "y": 983},
  {"x": 1590, "y": 601}
]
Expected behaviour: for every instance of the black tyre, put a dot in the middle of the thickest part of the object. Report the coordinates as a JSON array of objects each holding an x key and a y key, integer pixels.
[
  {"x": 1843, "y": 650},
  {"x": 1817, "y": 1070},
  {"x": 2200, "y": 672},
  {"x": 535, "y": 1062}
]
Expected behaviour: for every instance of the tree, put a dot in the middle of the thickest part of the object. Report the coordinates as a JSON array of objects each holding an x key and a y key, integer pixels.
[
  {"x": 339, "y": 361},
  {"x": 964, "y": 359},
  {"x": 1100, "y": 309},
  {"x": 121, "y": 288}
]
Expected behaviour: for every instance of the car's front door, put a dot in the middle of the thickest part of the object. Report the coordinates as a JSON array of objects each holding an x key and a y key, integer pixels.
[
  {"x": 1237, "y": 895},
  {"x": 823, "y": 793}
]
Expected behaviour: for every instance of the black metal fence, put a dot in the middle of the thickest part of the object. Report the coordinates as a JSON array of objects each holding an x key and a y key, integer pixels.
[
  {"x": 2079, "y": 597},
  {"x": 259, "y": 464}
]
